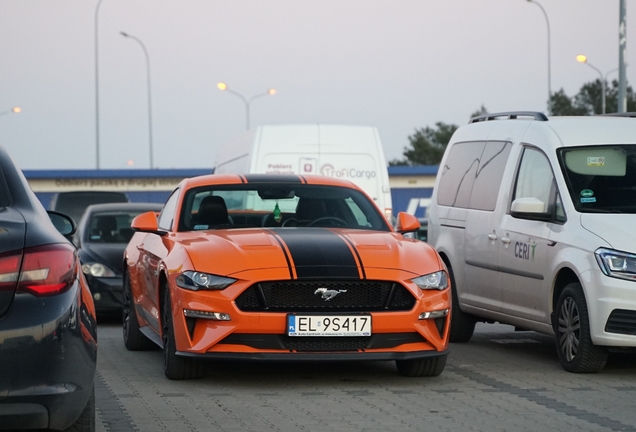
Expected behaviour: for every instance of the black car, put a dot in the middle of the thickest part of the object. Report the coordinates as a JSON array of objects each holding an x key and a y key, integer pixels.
[
  {"x": 48, "y": 347},
  {"x": 74, "y": 203},
  {"x": 101, "y": 238}
]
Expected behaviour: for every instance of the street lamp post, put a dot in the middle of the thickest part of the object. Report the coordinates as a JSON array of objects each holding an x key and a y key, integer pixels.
[
  {"x": 547, "y": 21},
  {"x": 143, "y": 47},
  {"x": 247, "y": 102},
  {"x": 583, "y": 59},
  {"x": 99, "y": 2},
  {"x": 14, "y": 110}
]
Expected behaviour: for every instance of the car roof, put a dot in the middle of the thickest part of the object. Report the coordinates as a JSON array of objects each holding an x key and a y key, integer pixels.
[
  {"x": 225, "y": 179},
  {"x": 128, "y": 206},
  {"x": 549, "y": 132}
]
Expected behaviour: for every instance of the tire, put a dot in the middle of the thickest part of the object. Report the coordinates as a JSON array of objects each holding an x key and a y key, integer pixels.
[
  {"x": 175, "y": 367},
  {"x": 462, "y": 324},
  {"x": 86, "y": 421},
  {"x": 134, "y": 339},
  {"x": 575, "y": 349},
  {"x": 426, "y": 367}
]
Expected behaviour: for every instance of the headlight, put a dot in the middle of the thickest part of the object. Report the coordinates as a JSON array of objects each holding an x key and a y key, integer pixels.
[
  {"x": 192, "y": 280},
  {"x": 437, "y": 281},
  {"x": 617, "y": 264},
  {"x": 97, "y": 270}
]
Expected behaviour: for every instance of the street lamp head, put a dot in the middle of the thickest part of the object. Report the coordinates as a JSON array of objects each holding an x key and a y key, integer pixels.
[
  {"x": 271, "y": 91},
  {"x": 124, "y": 34},
  {"x": 222, "y": 86},
  {"x": 581, "y": 58},
  {"x": 16, "y": 109}
]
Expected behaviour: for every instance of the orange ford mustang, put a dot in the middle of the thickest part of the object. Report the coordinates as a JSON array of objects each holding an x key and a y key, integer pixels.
[{"x": 282, "y": 267}]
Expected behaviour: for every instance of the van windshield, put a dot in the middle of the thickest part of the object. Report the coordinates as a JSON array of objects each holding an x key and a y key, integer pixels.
[{"x": 601, "y": 179}]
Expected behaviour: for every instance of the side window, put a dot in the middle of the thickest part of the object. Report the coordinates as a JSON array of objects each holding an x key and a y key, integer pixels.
[
  {"x": 167, "y": 214},
  {"x": 458, "y": 174},
  {"x": 534, "y": 179},
  {"x": 488, "y": 177}
]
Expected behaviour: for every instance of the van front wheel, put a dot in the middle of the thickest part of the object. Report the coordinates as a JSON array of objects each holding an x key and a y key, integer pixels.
[
  {"x": 462, "y": 324},
  {"x": 576, "y": 351}
]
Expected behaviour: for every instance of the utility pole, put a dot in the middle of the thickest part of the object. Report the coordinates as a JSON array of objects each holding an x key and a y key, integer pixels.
[{"x": 622, "y": 75}]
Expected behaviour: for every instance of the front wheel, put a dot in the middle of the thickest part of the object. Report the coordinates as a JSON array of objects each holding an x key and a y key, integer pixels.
[
  {"x": 462, "y": 324},
  {"x": 174, "y": 366},
  {"x": 426, "y": 367},
  {"x": 576, "y": 351}
]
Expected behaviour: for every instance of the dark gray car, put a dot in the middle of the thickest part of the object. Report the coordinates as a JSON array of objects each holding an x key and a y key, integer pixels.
[{"x": 48, "y": 346}]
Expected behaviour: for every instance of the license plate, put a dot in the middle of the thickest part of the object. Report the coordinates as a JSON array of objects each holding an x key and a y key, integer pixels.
[{"x": 329, "y": 325}]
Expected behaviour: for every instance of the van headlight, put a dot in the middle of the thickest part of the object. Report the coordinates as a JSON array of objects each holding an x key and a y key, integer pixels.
[
  {"x": 432, "y": 281},
  {"x": 621, "y": 265},
  {"x": 194, "y": 281}
]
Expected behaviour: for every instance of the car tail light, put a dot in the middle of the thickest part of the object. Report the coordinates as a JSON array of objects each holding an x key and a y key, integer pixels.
[
  {"x": 9, "y": 270},
  {"x": 48, "y": 270}
]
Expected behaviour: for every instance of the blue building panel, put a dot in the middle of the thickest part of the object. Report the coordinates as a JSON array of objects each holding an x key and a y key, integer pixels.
[{"x": 414, "y": 201}]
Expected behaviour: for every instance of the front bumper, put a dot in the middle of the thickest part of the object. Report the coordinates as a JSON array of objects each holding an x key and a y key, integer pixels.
[
  {"x": 604, "y": 295},
  {"x": 323, "y": 356},
  {"x": 108, "y": 293}
]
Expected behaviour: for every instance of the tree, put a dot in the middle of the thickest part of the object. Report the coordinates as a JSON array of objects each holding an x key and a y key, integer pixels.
[
  {"x": 427, "y": 144},
  {"x": 588, "y": 101}
]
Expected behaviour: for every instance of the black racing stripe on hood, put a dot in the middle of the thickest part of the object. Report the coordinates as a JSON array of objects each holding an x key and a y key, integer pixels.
[
  {"x": 272, "y": 178},
  {"x": 282, "y": 247},
  {"x": 348, "y": 240},
  {"x": 319, "y": 253}
]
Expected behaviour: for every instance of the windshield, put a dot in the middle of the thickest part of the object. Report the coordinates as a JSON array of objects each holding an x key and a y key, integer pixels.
[
  {"x": 278, "y": 206},
  {"x": 601, "y": 179}
]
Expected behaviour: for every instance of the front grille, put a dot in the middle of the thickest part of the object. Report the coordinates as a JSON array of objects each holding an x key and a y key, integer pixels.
[
  {"x": 305, "y": 296},
  {"x": 343, "y": 343},
  {"x": 320, "y": 343},
  {"x": 621, "y": 321}
]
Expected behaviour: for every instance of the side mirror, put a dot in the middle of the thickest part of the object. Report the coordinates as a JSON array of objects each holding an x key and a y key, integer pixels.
[
  {"x": 530, "y": 208},
  {"x": 406, "y": 223},
  {"x": 63, "y": 223},
  {"x": 147, "y": 222}
]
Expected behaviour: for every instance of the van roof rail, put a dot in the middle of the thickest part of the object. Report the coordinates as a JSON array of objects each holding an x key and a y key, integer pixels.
[
  {"x": 509, "y": 115},
  {"x": 625, "y": 114}
]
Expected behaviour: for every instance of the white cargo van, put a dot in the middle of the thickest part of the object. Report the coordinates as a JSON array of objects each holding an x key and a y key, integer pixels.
[
  {"x": 535, "y": 218},
  {"x": 347, "y": 152}
]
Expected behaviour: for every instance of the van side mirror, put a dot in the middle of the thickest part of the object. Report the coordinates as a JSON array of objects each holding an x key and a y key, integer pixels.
[
  {"x": 147, "y": 222},
  {"x": 530, "y": 208},
  {"x": 406, "y": 223}
]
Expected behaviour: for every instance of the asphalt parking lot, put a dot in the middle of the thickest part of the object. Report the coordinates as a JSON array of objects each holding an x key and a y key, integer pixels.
[{"x": 502, "y": 380}]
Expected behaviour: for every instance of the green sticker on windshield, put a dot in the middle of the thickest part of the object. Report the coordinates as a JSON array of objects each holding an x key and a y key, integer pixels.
[{"x": 586, "y": 193}]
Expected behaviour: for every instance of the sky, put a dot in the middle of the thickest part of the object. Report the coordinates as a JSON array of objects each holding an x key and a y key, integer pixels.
[{"x": 398, "y": 65}]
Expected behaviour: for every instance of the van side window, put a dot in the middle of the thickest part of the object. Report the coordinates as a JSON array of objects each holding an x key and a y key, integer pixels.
[
  {"x": 167, "y": 214},
  {"x": 534, "y": 179},
  {"x": 471, "y": 176},
  {"x": 458, "y": 174},
  {"x": 488, "y": 177}
]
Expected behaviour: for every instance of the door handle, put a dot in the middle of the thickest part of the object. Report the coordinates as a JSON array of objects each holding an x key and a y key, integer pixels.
[
  {"x": 506, "y": 240},
  {"x": 492, "y": 236}
]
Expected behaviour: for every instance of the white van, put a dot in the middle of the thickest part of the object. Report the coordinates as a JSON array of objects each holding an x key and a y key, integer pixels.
[
  {"x": 347, "y": 152},
  {"x": 535, "y": 218}
]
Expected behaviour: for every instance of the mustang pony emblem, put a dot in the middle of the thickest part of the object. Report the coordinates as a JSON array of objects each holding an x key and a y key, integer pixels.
[{"x": 328, "y": 294}]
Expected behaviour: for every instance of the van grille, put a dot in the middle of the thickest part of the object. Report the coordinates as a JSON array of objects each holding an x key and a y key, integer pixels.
[{"x": 304, "y": 296}]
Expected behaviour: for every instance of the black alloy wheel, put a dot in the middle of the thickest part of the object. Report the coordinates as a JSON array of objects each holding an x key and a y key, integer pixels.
[{"x": 175, "y": 367}]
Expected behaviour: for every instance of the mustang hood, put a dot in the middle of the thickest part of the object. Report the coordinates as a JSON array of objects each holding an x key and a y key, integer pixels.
[{"x": 307, "y": 252}]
